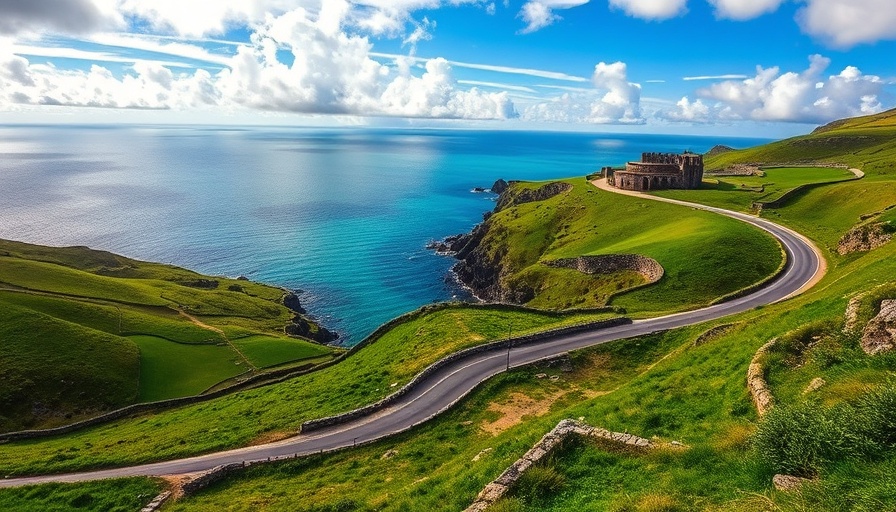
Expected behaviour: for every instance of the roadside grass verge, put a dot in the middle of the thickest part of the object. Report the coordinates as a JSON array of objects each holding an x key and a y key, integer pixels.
[
  {"x": 277, "y": 411},
  {"x": 119, "y": 495}
]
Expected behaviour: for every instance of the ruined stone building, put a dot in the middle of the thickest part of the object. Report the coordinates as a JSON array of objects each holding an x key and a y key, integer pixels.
[{"x": 657, "y": 171}]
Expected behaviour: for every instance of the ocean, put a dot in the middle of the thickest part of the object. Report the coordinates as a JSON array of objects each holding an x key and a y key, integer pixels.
[{"x": 343, "y": 215}]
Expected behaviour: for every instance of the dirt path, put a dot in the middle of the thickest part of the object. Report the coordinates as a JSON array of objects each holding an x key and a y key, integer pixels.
[{"x": 199, "y": 323}]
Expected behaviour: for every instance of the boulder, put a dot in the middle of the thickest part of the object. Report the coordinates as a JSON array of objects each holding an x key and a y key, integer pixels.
[
  {"x": 879, "y": 335},
  {"x": 499, "y": 186},
  {"x": 788, "y": 482}
]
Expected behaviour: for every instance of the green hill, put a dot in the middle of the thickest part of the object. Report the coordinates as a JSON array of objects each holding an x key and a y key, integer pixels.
[
  {"x": 686, "y": 385},
  {"x": 88, "y": 331}
]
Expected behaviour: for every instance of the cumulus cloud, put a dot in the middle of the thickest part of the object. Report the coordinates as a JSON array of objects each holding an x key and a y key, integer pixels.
[
  {"x": 846, "y": 23},
  {"x": 744, "y": 9},
  {"x": 688, "y": 111},
  {"x": 651, "y": 9},
  {"x": 331, "y": 72},
  {"x": 805, "y": 97},
  {"x": 65, "y": 16},
  {"x": 614, "y": 100},
  {"x": 538, "y": 14}
]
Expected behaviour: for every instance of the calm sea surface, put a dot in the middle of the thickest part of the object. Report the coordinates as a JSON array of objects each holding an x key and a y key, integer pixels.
[{"x": 342, "y": 215}]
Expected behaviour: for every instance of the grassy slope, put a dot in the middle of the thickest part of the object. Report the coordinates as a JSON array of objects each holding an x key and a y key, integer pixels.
[
  {"x": 86, "y": 331},
  {"x": 696, "y": 395},
  {"x": 273, "y": 411},
  {"x": 700, "y": 251},
  {"x": 750, "y": 189}
]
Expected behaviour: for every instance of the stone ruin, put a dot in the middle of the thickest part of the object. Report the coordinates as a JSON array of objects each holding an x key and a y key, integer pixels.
[{"x": 658, "y": 171}]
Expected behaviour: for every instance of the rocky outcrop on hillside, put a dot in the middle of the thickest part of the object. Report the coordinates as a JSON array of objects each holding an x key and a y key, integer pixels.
[
  {"x": 865, "y": 238},
  {"x": 480, "y": 268},
  {"x": 303, "y": 327},
  {"x": 718, "y": 150},
  {"x": 880, "y": 334},
  {"x": 499, "y": 186},
  {"x": 737, "y": 170},
  {"x": 511, "y": 197}
]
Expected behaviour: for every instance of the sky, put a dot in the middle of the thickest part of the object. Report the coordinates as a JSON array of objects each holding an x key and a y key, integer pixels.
[{"x": 735, "y": 67}]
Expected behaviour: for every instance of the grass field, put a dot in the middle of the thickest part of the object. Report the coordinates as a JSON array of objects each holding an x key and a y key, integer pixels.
[
  {"x": 750, "y": 189},
  {"x": 88, "y": 331},
  {"x": 699, "y": 251},
  {"x": 169, "y": 370},
  {"x": 264, "y": 351}
]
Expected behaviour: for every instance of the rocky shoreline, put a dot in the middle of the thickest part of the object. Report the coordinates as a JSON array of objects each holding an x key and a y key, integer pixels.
[
  {"x": 480, "y": 270},
  {"x": 301, "y": 325}
]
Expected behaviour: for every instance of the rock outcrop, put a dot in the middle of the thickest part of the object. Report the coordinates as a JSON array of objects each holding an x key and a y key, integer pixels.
[
  {"x": 302, "y": 326},
  {"x": 865, "y": 238},
  {"x": 512, "y": 198},
  {"x": 499, "y": 186},
  {"x": 718, "y": 149},
  {"x": 880, "y": 334}
]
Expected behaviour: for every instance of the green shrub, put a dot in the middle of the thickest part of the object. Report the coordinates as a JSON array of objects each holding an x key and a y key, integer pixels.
[
  {"x": 802, "y": 439},
  {"x": 539, "y": 483}
]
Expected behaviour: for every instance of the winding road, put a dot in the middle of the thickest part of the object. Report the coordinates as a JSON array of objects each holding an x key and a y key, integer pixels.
[{"x": 804, "y": 267}]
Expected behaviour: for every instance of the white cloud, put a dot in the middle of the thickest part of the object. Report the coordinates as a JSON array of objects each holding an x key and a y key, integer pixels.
[
  {"x": 846, "y": 23},
  {"x": 614, "y": 100},
  {"x": 651, "y": 9},
  {"x": 805, "y": 97},
  {"x": 331, "y": 72},
  {"x": 540, "y": 73},
  {"x": 744, "y": 9},
  {"x": 61, "y": 16},
  {"x": 538, "y": 14},
  {"x": 714, "y": 77},
  {"x": 687, "y": 111}
]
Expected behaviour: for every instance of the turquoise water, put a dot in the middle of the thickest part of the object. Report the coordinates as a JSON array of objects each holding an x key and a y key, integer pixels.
[{"x": 343, "y": 215}]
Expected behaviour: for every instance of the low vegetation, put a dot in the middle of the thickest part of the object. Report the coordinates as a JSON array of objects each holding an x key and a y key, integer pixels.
[{"x": 88, "y": 331}]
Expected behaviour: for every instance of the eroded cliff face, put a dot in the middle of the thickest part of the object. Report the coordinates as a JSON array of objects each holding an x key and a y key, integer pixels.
[{"x": 482, "y": 266}]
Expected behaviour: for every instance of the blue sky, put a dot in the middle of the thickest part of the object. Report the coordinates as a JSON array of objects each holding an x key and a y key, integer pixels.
[{"x": 751, "y": 67}]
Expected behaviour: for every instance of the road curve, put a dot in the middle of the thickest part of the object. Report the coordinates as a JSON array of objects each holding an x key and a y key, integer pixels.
[{"x": 804, "y": 266}]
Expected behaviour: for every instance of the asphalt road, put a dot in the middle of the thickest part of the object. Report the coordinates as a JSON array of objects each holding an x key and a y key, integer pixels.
[{"x": 450, "y": 384}]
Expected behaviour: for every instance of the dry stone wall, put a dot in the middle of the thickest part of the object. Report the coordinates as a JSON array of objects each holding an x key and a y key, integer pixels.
[
  {"x": 550, "y": 442},
  {"x": 759, "y": 389},
  {"x": 609, "y": 263}
]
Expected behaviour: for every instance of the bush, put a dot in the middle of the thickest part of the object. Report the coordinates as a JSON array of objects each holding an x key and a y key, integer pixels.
[
  {"x": 803, "y": 439},
  {"x": 539, "y": 483},
  {"x": 800, "y": 440}
]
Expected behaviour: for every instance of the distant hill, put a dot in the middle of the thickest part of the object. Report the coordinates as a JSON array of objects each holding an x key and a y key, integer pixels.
[{"x": 868, "y": 142}]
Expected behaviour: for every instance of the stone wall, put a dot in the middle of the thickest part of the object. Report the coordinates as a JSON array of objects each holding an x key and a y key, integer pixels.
[
  {"x": 312, "y": 425},
  {"x": 759, "y": 389},
  {"x": 609, "y": 263},
  {"x": 550, "y": 442}
]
